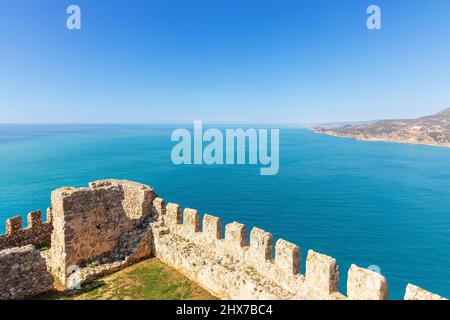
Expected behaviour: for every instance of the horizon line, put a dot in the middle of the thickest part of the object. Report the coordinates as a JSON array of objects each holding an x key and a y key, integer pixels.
[{"x": 152, "y": 123}]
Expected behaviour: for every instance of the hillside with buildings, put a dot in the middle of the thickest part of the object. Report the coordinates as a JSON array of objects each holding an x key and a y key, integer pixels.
[{"x": 431, "y": 130}]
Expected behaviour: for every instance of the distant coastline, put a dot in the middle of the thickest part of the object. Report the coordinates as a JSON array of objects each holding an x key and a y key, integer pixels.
[
  {"x": 431, "y": 130},
  {"x": 334, "y": 134}
]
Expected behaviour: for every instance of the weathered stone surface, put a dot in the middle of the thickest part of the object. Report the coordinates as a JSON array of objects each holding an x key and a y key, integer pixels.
[
  {"x": 236, "y": 234},
  {"x": 287, "y": 257},
  {"x": 173, "y": 214},
  {"x": 191, "y": 220},
  {"x": 223, "y": 276},
  {"x": 36, "y": 233},
  {"x": 364, "y": 284},
  {"x": 212, "y": 227},
  {"x": 261, "y": 245},
  {"x": 99, "y": 225},
  {"x": 322, "y": 275},
  {"x": 23, "y": 273},
  {"x": 159, "y": 207},
  {"x": 415, "y": 293}
]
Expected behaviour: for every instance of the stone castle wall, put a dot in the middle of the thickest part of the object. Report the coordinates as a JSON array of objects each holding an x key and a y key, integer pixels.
[
  {"x": 36, "y": 233},
  {"x": 115, "y": 223},
  {"x": 23, "y": 273},
  {"x": 99, "y": 228},
  {"x": 232, "y": 267}
]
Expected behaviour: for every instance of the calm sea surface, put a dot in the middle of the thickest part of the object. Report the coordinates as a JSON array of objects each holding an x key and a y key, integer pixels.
[{"x": 383, "y": 204}]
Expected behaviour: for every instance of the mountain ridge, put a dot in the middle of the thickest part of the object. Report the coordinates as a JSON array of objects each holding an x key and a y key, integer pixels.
[{"x": 431, "y": 130}]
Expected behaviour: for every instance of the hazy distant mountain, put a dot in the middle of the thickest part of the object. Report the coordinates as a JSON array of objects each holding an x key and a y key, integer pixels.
[
  {"x": 434, "y": 129},
  {"x": 337, "y": 124}
]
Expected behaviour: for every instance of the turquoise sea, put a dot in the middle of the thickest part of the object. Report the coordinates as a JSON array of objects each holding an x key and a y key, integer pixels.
[{"x": 367, "y": 203}]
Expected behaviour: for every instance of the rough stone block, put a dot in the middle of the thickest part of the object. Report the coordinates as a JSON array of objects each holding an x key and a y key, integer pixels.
[
  {"x": 364, "y": 284},
  {"x": 159, "y": 206},
  {"x": 173, "y": 214},
  {"x": 322, "y": 275},
  {"x": 191, "y": 220},
  {"x": 415, "y": 293},
  {"x": 49, "y": 215},
  {"x": 287, "y": 257},
  {"x": 236, "y": 234},
  {"x": 14, "y": 225},
  {"x": 212, "y": 227},
  {"x": 261, "y": 244},
  {"x": 34, "y": 219}
]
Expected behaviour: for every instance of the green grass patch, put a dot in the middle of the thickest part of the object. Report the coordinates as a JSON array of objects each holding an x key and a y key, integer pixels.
[
  {"x": 148, "y": 280},
  {"x": 43, "y": 247}
]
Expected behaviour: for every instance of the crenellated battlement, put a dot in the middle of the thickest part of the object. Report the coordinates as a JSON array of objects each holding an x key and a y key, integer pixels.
[
  {"x": 279, "y": 265},
  {"x": 36, "y": 233},
  {"x": 234, "y": 264}
]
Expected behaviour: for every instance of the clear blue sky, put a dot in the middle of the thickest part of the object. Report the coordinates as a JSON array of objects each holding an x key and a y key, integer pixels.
[{"x": 223, "y": 60}]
